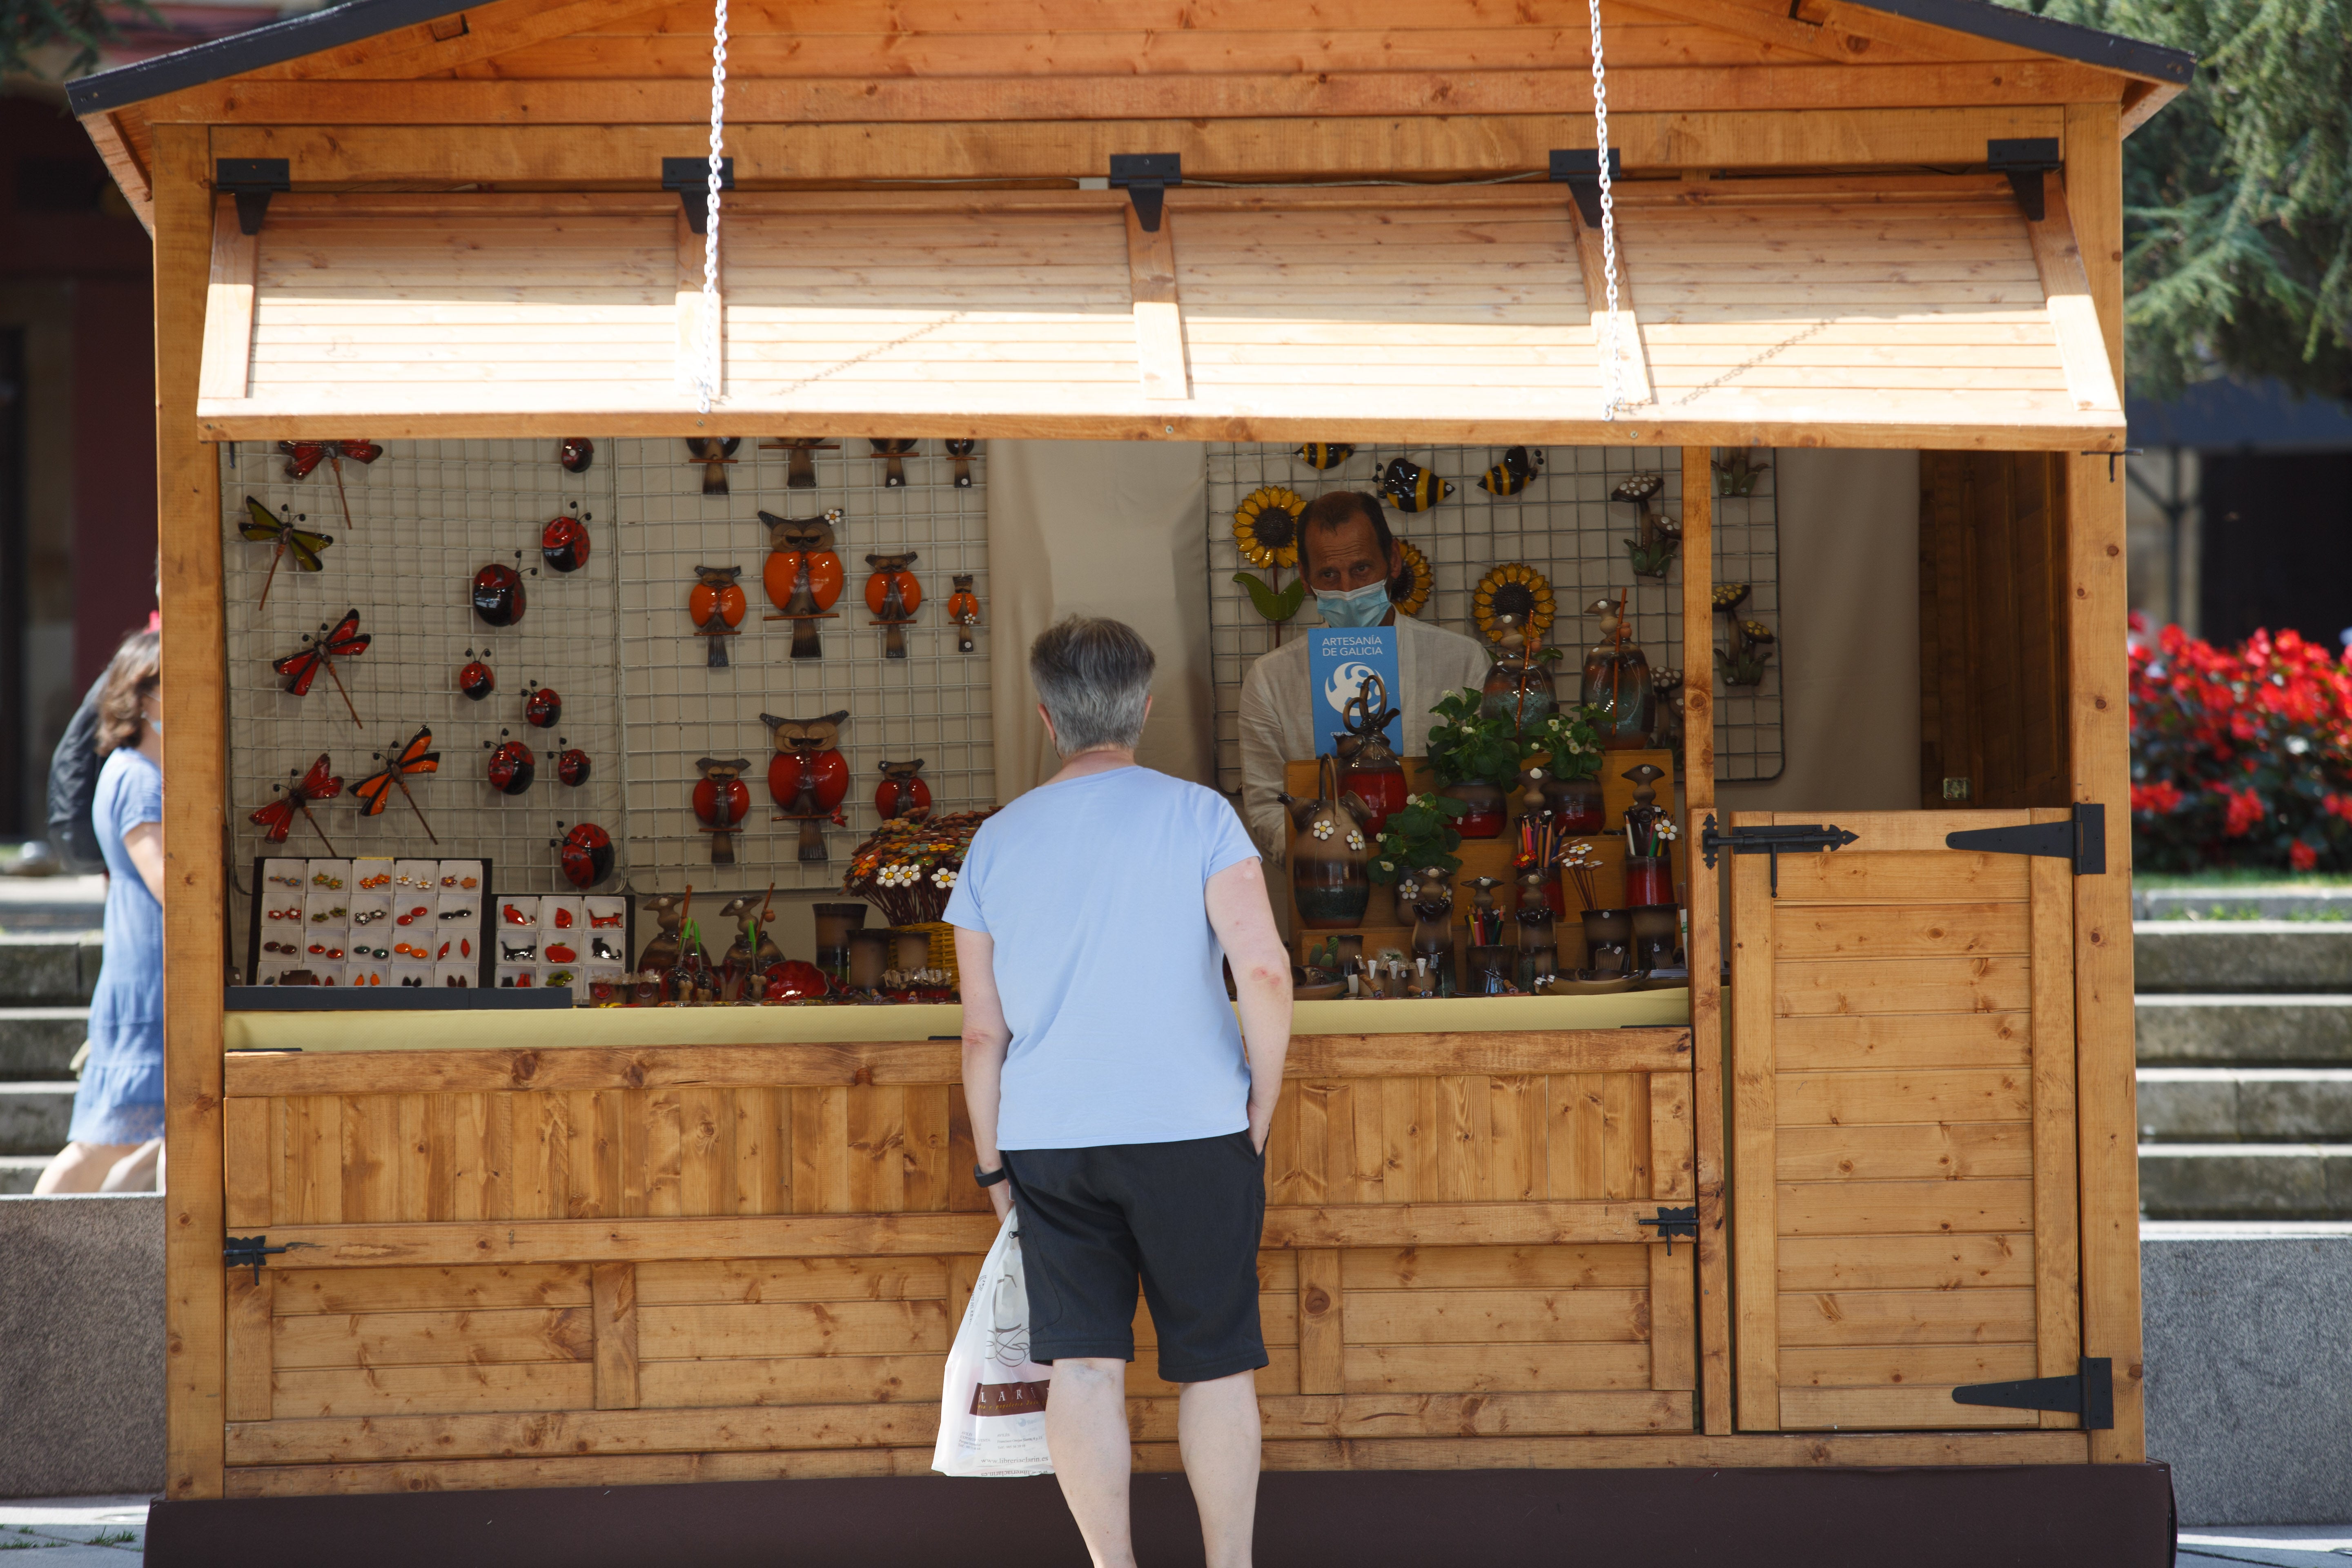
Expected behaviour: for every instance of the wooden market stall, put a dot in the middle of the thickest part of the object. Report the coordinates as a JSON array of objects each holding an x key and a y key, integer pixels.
[{"x": 638, "y": 1246}]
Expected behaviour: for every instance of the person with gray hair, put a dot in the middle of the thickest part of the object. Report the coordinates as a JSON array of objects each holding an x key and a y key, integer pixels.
[{"x": 1115, "y": 1100}]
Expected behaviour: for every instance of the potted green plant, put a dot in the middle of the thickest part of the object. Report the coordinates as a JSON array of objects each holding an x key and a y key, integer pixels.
[
  {"x": 1475, "y": 757},
  {"x": 1569, "y": 776},
  {"x": 1420, "y": 837}
]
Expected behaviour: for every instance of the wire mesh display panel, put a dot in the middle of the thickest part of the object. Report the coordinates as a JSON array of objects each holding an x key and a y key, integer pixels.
[
  {"x": 614, "y": 638},
  {"x": 1562, "y": 523}
]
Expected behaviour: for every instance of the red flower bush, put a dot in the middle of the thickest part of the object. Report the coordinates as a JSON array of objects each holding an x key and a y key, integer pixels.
[{"x": 2240, "y": 758}]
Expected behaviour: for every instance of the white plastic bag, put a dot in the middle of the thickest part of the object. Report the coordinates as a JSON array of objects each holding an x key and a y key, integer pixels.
[{"x": 992, "y": 1407}]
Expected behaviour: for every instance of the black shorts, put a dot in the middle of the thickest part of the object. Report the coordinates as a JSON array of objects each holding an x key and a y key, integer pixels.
[{"x": 1185, "y": 1217}]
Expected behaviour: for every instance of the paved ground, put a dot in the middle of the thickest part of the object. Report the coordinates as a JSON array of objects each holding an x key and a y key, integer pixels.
[
  {"x": 73, "y": 1532},
  {"x": 2311, "y": 1546}
]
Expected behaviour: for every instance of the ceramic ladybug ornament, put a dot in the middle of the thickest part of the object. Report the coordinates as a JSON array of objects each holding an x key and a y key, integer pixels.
[
  {"x": 473, "y": 677},
  {"x": 715, "y": 604},
  {"x": 572, "y": 767},
  {"x": 893, "y": 453},
  {"x": 576, "y": 453},
  {"x": 543, "y": 708},
  {"x": 961, "y": 452},
  {"x": 563, "y": 542},
  {"x": 720, "y": 800},
  {"x": 893, "y": 594},
  {"x": 585, "y": 854},
  {"x": 511, "y": 766},
  {"x": 803, "y": 575},
  {"x": 498, "y": 598},
  {"x": 902, "y": 791},
  {"x": 963, "y": 609},
  {"x": 808, "y": 776}
]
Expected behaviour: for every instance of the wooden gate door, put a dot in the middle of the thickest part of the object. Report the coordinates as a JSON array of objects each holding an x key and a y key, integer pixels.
[{"x": 1903, "y": 1124}]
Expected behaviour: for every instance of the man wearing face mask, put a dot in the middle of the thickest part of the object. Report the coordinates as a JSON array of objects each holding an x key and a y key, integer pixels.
[{"x": 1353, "y": 567}]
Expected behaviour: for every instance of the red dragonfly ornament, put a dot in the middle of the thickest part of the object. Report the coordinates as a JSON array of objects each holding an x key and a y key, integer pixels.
[
  {"x": 716, "y": 606},
  {"x": 902, "y": 791},
  {"x": 719, "y": 802},
  {"x": 803, "y": 575},
  {"x": 808, "y": 776},
  {"x": 262, "y": 527},
  {"x": 303, "y": 457},
  {"x": 344, "y": 640},
  {"x": 416, "y": 757},
  {"x": 277, "y": 818}
]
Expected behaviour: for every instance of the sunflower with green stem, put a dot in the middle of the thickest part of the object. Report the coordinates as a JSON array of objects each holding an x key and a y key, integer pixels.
[
  {"x": 1266, "y": 525},
  {"x": 1517, "y": 591}
]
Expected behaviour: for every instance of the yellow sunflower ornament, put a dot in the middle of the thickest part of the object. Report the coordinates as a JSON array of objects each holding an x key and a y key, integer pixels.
[
  {"x": 1517, "y": 591},
  {"x": 1418, "y": 579},
  {"x": 1266, "y": 525}
]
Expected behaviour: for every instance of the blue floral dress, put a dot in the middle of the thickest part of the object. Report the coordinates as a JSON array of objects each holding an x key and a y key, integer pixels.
[{"x": 120, "y": 1100}]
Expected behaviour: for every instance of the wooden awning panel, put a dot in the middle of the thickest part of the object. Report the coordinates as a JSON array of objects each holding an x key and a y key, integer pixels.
[{"x": 1925, "y": 311}]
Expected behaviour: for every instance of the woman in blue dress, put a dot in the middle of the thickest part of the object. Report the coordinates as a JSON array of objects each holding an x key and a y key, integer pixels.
[{"x": 118, "y": 1116}]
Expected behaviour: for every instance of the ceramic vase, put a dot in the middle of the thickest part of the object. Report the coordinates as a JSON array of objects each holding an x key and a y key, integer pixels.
[
  {"x": 1328, "y": 852},
  {"x": 1649, "y": 879},
  {"x": 1657, "y": 930},
  {"x": 1608, "y": 941},
  {"x": 1520, "y": 690},
  {"x": 1575, "y": 803},
  {"x": 1484, "y": 809}
]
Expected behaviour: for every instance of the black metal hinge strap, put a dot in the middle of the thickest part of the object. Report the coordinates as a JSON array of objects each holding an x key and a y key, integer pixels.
[
  {"x": 690, "y": 178},
  {"x": 2081, "y": 841},
  {"x": 1672, "y": 1223},
  {"x": 1775, "y": 841},
  {"x": 247, "y": 1251},
  {"x": 1145, "y": 177},
  {"x": 2089, "y": 1394},
  {"x": 252, "y": 181},
  {"x": 2025, "y": 161},
  {"x": 1578, "y": 168}
]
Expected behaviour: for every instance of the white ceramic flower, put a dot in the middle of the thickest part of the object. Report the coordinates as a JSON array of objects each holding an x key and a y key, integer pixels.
[{"x": 1355, "y": 840}]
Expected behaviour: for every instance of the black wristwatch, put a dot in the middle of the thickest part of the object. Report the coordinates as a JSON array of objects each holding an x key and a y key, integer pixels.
[{"x": 989, "y": 1178}]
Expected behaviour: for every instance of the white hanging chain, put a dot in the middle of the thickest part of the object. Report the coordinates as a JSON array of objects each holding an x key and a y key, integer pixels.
[
  {"x": 1611, "y": 375},
  {"x": 706, "y": 378}
]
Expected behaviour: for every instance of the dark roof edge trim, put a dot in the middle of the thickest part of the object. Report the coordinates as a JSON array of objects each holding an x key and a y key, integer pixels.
[
  {"x": 2003, "y": 25},
  {"x": 239, "y": 52},
  {"x": 357, "y": 19}
]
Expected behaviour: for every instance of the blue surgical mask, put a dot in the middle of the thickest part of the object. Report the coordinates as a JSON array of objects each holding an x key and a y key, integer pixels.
[{"x": 1364, "y": 607}]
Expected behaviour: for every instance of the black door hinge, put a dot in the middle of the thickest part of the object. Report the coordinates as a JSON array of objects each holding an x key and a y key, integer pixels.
[
  {"x": 1145, "y": 177},
  {"x": 252, "y": 181},
  {"x": 1775, "y": 841},
  {"x": 1672, "y": 1223},
  {"x": 247, "y": 1251},
  {"x": 1578, "y": 168},
  {"x": 2082, "y": 842},
  {"x": 690, "y": 178},
  {"x": 2089, "y": 1394},
  {"x": 2025, "y": 161}
]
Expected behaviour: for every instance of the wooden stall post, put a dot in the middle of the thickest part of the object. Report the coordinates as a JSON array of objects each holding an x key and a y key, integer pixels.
[
  {"x": 195, "y": 743},
  {"x": 2107, "y": 1102},
  {"x": 1705, "y": 937}
]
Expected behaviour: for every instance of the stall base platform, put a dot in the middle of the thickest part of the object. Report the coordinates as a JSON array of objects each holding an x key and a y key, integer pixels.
[{"x": 2077, "y": 1515}]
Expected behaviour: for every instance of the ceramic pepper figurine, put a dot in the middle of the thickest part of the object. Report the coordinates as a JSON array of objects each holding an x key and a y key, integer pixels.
[
  {"x": 963, "y": 609},
  {"x": 808, "y": 776},
  {"x": 901, "y": 790},
  {"x": 719, "y": 802},
  {"x": 894, "y": 595},
  {"x": 803, "y": 575},
  {"x": 716, "y": 604}
]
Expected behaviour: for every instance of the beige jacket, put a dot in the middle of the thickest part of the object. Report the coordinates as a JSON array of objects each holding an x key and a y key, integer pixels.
[{"x": 1277, "y": 715}]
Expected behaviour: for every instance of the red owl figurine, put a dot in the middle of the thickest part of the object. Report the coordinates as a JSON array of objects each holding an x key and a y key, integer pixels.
[
  {"x": 808, "y": 776},
  {"x": 894, "y": 595},
  {"x": 716, "y": 606},
  {"x": 802, "y": 575},
  {"x": 719, "y": 802},
  {"x": 902, "y": 790}
]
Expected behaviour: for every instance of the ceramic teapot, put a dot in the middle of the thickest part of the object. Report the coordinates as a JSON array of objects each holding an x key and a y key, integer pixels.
[{"x": 1329, "y": 849}]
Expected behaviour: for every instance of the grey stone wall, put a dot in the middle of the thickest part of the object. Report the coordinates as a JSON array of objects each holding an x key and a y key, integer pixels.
[
  {"x": 2249, "y": 1355},
  {"x": 81, "y": 1345}
]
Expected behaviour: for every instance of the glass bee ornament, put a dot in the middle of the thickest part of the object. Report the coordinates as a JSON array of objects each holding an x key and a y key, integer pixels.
[
  {"x": 1411, "y": 486},
  {"x": 1518, "y": 467}
]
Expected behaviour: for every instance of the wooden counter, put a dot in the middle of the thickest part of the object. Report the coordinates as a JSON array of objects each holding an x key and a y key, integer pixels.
[{"x": 587, "y": 1264}]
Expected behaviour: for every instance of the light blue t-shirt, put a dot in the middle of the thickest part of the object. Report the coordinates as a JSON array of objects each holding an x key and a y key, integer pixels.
[{"x": 1112, "y": 980}]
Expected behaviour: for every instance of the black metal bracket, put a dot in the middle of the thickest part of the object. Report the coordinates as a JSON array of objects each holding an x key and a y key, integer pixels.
[
  {"x": 247, "y": 1251},
  {"x": 2110, "y": 456},
  {"x": 2081, "y": 842},
  {"x": 2025, "y": 161},
  {"x": 2089, "y": 1394},
  {"x": 252, "y": 181},
  {"x": 1145, "y": 177},
  {"x": 690, "y": 178},
  {"x": 1776, "y": 841},
  {"x": 1672, "y": 1223},
  {"x": 1578, "y": 168}
]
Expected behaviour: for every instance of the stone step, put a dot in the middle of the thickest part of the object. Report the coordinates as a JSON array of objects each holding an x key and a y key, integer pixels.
[
  {"x": 2278, "y": 901},
  {"x": 40, "y": 1042},
  {"x": 19, "y": 1172},
  {"x": 52, "y": 903},
  {"x": 34, "y": 1117},
  {"x": 48, "y": 969},
  {"x": 2245, "y": 1181},
  {"x": 2274, "y": 1031},
  {"x": 2247, "y": 1105},
  {"x": 2234, "y": 957}
]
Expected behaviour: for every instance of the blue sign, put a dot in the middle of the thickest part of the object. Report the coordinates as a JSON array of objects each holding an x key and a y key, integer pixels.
[{"x": 1339, "y": 658}]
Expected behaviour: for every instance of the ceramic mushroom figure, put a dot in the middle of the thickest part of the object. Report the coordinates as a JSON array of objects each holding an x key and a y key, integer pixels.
[
  {"x": 1654, "y": 549},
  {"x": 803, "y": 575},
  {"x": 808, "y": 776},
  {"x": 893, "y": 594},
  {"x": 719, "y": 802}
]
